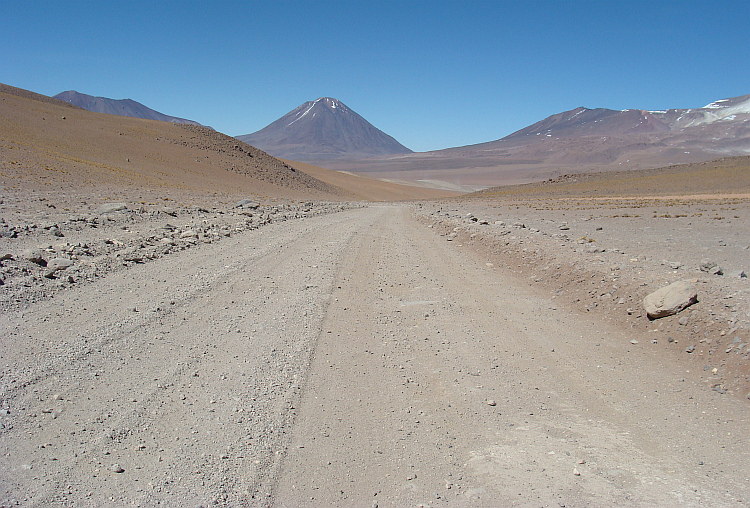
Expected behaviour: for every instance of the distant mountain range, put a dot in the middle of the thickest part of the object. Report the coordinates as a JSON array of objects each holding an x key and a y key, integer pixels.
[
  {"x": 581, "y": 140},
  {"x": 328, "y": 133},
  {"x": 583, "y": 121},
  {"x": 323, "y": 129},
  {"x": 122, "y": 107},
  {"x": 603, "y": 136}
]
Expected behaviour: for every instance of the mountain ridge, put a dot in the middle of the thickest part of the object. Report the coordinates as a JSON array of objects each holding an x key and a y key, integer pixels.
[{"x": 120, "y": 107}]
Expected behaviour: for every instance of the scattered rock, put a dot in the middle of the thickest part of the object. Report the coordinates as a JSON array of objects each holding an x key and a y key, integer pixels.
[
  {"x": 111, "y": 207},
  {"x": 690, "y": 349},
  {"x": 719, "y": 388},
  {"x": 133, "y": 255},
  {"x": 706, "y": 265},
  {"x": 57, "y": 264},
  {"x": 670, "y": 300},
  {"x": 116, "y": 468},
  {"x": 247, "y": 203},
  {"x": 491, "y": 402}
]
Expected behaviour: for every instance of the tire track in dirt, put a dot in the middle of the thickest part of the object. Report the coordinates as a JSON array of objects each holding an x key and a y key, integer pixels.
[{"x": 192, "y": 394}]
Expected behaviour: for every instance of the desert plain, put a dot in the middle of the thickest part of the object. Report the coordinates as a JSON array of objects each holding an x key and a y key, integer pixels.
[{"x": 186, "y": 321}]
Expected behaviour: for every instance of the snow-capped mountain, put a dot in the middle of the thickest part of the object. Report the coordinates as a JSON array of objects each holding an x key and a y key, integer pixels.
[
  {"x": 737, "y": 108},
  {"x": 627, "y": 138},
  {"x": 323, "y": 129},
  {"x": 582, "y": 121},
  {"x": 121, "y": 107}
]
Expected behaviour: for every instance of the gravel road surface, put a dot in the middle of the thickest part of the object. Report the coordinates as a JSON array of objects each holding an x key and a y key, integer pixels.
[{"x": 350, "y": 359}]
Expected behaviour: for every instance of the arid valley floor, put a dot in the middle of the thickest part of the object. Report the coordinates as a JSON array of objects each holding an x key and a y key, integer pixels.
[{"x": 337, "y": 340}]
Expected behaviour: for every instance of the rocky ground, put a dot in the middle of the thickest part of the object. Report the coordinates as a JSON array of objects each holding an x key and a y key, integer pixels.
[
  {"x": 457, "y": 353},
  {"x": 603, "y": 256},
  {"x": 59, "y": 242}
]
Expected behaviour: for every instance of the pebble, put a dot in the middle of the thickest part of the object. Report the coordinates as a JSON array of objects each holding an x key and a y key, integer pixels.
[
  {"x": 634, "y": 341},
  {"x": 491, "y": 402},
  {"x": 116, "y": 468}
]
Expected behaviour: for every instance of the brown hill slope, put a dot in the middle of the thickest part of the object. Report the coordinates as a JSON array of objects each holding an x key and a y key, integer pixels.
[
  {"x": 20, "y": 92},
  {"x": 46, "y": 144}
]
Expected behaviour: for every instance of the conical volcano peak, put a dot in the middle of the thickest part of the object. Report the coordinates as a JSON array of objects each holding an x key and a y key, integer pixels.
[{"x": 323, "y": 129}]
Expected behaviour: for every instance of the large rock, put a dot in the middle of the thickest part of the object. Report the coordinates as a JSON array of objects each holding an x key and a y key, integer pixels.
[{"x": 670, "y": 300}]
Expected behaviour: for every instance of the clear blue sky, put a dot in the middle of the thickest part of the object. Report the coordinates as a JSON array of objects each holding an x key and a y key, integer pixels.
[{"x": 432, "y": 74}]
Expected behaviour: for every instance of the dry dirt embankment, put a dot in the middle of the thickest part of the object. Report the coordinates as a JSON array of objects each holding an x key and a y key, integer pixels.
[{"x": 603, "y": 257}]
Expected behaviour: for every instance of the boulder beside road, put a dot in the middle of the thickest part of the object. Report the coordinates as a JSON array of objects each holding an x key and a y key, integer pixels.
[{"x": 670, "y": 300}]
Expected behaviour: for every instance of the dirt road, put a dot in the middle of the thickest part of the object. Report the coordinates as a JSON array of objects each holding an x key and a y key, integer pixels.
[{"x": 353, "y": 359}]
